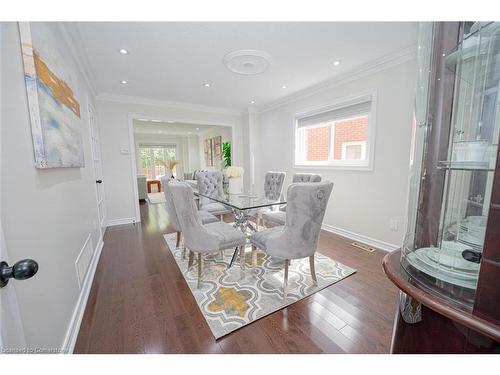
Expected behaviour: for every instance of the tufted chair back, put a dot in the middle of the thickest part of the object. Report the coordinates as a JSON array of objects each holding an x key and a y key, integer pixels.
[
  {"x": 196, "y": 236},
  {"x": 306, "y": 206},
  {"x": 273, "y": 184},
  {"x": 174, "y": 222},
  {"x": 210, "y": 183},
  {"x": 306, "y": 177}
]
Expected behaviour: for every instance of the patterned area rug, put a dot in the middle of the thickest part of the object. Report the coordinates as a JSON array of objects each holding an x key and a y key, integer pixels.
[{"x": 230, "y": 299}]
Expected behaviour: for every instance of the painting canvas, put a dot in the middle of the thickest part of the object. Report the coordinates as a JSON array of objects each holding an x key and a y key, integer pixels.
[
  {"x": 54, "y": 109},
  {"x": 217, "y": 149},
  {"x": 208, "y": 153}
]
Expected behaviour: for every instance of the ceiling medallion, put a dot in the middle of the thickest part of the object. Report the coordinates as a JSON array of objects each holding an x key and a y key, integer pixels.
[{"x": 248, "y": 62}]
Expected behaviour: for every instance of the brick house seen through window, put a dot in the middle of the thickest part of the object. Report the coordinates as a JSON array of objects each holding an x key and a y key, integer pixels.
[
  {"x": 348, "y": 140},
  {"x": 340, "y": 135}
]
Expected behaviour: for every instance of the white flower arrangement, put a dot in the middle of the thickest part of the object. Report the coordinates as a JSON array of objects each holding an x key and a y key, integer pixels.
[{"x": 233, "y": 172}]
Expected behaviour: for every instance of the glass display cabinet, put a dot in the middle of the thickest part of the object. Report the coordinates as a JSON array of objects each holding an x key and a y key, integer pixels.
[
  {"x": 448, "y": 269},
  {"x": 444, "y": 244}
]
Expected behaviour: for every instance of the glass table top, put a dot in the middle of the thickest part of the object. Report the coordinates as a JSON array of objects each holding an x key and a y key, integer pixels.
[{"x": 244, "y": 201}]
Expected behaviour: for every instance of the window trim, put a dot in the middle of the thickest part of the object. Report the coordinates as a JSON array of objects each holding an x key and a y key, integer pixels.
[{"x": 370, "y": 95}]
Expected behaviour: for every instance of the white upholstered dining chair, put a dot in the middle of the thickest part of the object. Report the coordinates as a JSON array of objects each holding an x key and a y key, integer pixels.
[
  {"x": 278, "y": 217},
  {"x": 203, "y": 239},
  {"x": 204, "y": 216},
  {"x": 273, "y": 188},
  {"x": 211, "y": 183},
  {"x": 298, "y": 238}
]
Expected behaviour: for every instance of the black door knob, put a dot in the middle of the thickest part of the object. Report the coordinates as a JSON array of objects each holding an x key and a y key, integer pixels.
[
  {"x": 98, "y": 181},
  {"x": 22, "y": 270}
]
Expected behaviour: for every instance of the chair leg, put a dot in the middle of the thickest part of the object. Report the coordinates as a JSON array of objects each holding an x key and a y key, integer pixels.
[
  {"x": 190, "y": 261},
  {"x": 200, "y": 269},
  {"x": 221, "y": 254},
  {"x": 313, "y": 270},
  {"x": 242, "y": 257},
  {"x": 254, "y": 256},
  {"x": 183, "y": 244},
  {"x": 178, "y": 239},
  {"x": 285, "y": 283}
]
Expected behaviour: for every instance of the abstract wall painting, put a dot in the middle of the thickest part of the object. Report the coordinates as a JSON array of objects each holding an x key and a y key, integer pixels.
[
  {"x": 208, "y": 153},
  {"x": 54, "y": 110},
  {"x": 217, "y": 149},
  {"x": 213, "y": 151}
]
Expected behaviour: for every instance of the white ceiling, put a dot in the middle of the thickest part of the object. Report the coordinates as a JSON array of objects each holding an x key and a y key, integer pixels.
[
  {"x": 169, "y": 128},
  {"x": 172, "y": 60}
]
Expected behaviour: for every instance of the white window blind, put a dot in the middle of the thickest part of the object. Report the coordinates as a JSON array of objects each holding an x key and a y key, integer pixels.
[{"x": 335, "y": 114}]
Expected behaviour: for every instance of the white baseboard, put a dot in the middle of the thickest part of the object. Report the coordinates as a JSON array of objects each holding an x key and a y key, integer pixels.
[
  {"x": 126, "y": 220},
  {"x": 76, "y": 319},
  {"x": 361, "y": 238}
]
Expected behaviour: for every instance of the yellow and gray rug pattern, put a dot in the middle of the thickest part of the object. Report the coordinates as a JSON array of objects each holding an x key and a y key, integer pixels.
[{"x": 230, "y": 298}]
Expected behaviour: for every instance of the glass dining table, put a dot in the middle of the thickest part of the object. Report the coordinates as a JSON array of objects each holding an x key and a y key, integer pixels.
[{"x": 244, "y": 207}]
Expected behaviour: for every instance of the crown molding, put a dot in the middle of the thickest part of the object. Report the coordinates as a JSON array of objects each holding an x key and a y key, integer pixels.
[
  {"x": 372, "y": 67},
  {"x": 169, "y": 134},
  {"x": 115, "y": 98},
  {"x": 75, "y": 44}
]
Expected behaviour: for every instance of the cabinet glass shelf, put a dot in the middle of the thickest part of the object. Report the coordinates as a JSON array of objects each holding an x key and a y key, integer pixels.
[{"x": 465, "y": 165}]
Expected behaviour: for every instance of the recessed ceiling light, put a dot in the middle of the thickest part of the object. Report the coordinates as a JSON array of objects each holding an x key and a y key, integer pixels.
[
  {"x": 155, "y": 120},
  {"x": 283, "y": 87},
  {"x": 123, "y": 82},
  {"x": 206, "y": 84},
  {"x": 336, "y": 63},
  {"x": 124, "y": 51},
  {"x": 197, "y": 128},
  {"x": 252, "y": 102}
]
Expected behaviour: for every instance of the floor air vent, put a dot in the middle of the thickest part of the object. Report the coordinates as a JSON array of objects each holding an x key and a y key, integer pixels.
[{"x": 363, "y": 246}]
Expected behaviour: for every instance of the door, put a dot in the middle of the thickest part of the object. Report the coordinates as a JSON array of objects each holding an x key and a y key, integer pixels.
[
  {"x": 97, "y": 165},
  {"x": 12, "y": 338},
  {"x": 11, "y": 328}
]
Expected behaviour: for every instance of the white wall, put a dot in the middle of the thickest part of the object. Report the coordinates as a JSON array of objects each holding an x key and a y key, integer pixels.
[
  {"x": 193, "y": 142},
  {"x": 363, "y": 202},
  {"x": 46, "y": 214},
  {"x": 114, "y": 119}
]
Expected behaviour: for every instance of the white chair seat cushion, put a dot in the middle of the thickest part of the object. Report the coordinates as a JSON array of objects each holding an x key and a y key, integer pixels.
[
  {"x": 260, "y": 239},
  {"x": 215, "y": 208},
  {"x": 275, "y": 217},
  {"x": 229, "y": 237},
  {"x": 206, "y": 217}
]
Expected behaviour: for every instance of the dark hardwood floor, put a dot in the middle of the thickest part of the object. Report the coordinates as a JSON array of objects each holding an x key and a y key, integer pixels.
[{"x": 140, "y": 303}]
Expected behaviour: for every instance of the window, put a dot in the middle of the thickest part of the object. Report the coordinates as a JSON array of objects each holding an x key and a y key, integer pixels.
[
  {"x": 339, "y": 136},
  {"x": 153, "y": 157}
]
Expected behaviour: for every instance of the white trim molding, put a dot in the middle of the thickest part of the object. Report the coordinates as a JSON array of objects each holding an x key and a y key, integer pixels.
[
  {"x": 382, "y": 245},
  {"x": 76, "y": 319},
  {"x": 122, "y": 221},
  {"x": 374, "y": 66},
  {"x": 115, "y": 98}
]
